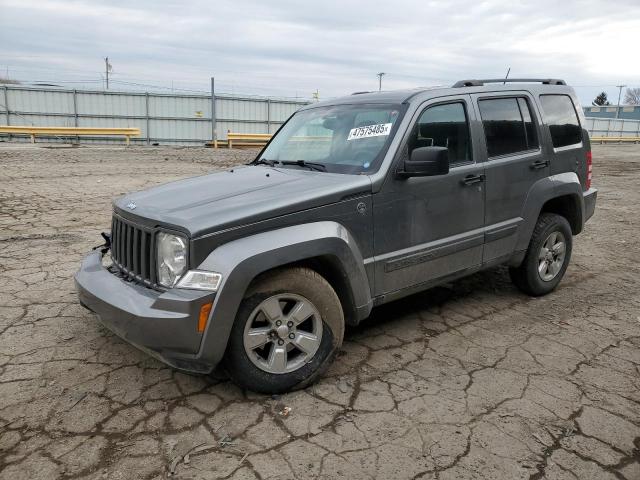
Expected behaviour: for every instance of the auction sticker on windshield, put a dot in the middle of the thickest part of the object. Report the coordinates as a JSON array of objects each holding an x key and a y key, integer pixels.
[{"x": 382, "y": 129}]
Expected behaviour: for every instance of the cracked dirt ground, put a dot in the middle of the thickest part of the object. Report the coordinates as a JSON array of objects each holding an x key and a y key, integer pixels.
[{"x": 469, "y": 380}]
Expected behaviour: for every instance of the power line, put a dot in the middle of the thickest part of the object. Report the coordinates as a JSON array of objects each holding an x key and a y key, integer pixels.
[{"x": 160, "y": 87}]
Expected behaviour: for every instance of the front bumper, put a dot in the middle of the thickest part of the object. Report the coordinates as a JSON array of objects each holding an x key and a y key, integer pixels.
[
  {"x": 589, "y": 202},
  {"x": 163, "y": 324}
]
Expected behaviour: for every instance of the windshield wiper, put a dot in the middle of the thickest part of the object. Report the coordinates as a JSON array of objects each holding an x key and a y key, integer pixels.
[
  {"x": 320, "y": 167},
  {"x": 264, "y": 161}
]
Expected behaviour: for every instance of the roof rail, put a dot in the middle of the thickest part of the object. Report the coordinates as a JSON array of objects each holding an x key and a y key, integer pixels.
[
  {"x": 480, "y": 83},
  {"x": 360, "y": 93}
]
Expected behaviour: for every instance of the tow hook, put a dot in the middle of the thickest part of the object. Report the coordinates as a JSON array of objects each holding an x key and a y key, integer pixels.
[{"x": 104, "y": 248}]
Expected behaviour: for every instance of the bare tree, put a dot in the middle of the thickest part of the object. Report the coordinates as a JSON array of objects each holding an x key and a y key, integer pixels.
[
  {"x": 8, "y": 81},
  {"x": 632, "y": 96}
]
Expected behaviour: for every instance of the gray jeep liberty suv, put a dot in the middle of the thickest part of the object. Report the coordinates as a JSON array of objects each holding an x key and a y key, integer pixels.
[{"x": 353, "y": 203}]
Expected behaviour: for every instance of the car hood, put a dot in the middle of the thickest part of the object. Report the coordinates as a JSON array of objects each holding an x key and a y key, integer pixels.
[{"x": 236, "y": 197}]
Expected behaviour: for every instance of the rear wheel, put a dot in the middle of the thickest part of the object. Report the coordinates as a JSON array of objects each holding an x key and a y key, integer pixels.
[
  {"x": 547, "y": 257},
  {"x": 288, "y": 328}
]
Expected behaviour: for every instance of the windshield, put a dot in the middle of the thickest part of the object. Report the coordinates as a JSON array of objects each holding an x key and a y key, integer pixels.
[{"x": 342, "y": 138}]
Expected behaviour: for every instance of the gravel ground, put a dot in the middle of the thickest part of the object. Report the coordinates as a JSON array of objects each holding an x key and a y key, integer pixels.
[{"x": 468, "y": 380}]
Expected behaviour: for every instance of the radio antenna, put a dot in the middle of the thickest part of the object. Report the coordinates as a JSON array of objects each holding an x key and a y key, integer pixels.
[{"x": 506, "y": 76}]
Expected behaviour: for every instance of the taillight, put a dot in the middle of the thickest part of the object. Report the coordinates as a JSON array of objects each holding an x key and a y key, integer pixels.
[{"x": 589, "y": 169}]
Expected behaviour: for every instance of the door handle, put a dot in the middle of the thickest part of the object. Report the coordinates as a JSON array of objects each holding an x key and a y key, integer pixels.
[
  {"x": 538, "y": 164},
  {"x": 472, "y": 179}
]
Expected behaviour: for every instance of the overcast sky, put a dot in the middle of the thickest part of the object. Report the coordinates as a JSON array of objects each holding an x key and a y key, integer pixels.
[{"x": 291, "y": 48}]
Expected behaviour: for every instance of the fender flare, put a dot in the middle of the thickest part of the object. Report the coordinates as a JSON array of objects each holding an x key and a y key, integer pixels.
[
  {"x": 541, "y": 192},
  {"x": 240, "y": 261}
]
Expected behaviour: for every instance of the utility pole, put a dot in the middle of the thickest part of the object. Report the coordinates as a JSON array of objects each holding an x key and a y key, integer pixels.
[
  {"x": 619, "y": 95},
  {"x": 107, "y": 69},
  {"x": 316, "y": 95},
  {"x": 380, "y": 75}
]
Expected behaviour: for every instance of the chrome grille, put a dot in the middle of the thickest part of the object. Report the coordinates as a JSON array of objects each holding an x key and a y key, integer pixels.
[{"x": 132, "y": 250}]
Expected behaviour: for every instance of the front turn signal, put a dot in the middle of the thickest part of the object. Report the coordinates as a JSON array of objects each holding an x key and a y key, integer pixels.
[{"x": 205, "y": 310}]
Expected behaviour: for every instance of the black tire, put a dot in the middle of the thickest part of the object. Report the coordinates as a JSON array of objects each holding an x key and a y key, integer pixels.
[
  {"x": 526, "y": 276},
  {"x": 299, "y": 281}
]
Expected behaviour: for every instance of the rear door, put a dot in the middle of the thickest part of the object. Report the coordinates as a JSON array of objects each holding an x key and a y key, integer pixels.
[{"x": 514, "y": 161}]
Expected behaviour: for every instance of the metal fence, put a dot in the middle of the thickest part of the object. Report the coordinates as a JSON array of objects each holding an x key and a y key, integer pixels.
[
  {"x": 181, "y": 119},
  {"x": 628, "y": 112},
  {"x": 611, "y": 127},
  {"x": 162, "y": 118}
]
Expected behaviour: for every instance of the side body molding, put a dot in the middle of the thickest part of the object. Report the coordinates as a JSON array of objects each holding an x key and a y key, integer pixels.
[
  {"x": 542, "y": 191},
  {"x": 240, "y": 261}
]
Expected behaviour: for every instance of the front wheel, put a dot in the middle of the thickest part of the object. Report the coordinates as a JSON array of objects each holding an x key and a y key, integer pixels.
[
  {"x": 288, "y": 328},
  {"x": 547, "y": 257}
]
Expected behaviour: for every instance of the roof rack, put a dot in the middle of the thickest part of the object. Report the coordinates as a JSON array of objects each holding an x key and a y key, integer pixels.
[{"x": 480, "y": 83}]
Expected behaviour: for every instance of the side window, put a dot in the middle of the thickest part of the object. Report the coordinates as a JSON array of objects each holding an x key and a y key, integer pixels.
[
  {"x": 508, "y": 126},
  {"x": 444, "y": 126},
  {"x": 560, "y": 115}
]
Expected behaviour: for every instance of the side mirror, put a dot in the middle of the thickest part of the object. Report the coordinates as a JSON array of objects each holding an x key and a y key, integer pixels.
[{"x": 426, "y": 162}]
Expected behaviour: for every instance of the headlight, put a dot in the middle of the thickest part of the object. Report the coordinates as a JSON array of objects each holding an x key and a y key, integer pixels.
[
  {"x": 200, "y": 280},
  {"x": 172, "y": 258}
]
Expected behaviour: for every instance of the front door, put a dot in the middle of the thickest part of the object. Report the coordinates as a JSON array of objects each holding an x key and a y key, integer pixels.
[{"x": 427, "y": 228}]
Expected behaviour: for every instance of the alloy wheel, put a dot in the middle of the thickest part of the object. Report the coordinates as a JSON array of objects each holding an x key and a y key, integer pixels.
[
  {"x": 551, "y": 256},
  {"x": 283, "y": 333}
]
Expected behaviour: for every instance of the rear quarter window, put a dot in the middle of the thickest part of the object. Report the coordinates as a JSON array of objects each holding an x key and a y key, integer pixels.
[{"x": 561, "y": 117}]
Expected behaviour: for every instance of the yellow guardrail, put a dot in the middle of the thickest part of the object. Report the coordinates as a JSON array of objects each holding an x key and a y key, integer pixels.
[
  {"x": 69, "y": 131},
  {"x": 261, "y": 139},
  {"x": 247, "y": 139},
  {"x": 615, "y": 139}
]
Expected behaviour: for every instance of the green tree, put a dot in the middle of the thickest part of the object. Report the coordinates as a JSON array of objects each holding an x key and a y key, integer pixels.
[{"x": 601, "y": 100}]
